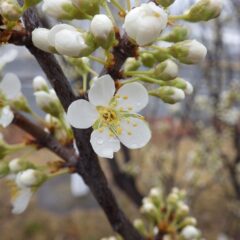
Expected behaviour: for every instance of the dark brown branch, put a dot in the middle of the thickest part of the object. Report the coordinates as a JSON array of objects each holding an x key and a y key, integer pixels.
[
  {"x": 44, "y": 139},
  {"x": 88, "y": 166}
]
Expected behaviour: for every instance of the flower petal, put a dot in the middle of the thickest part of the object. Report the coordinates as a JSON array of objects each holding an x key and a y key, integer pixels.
[
  {"x": 102, "y": 91},
  {"x": 21, "y": 200},
  {"x": 78, "y": 187},
  {"x": 6, "y": 116},
  {"x": 132, "y": 97},
  {"x": 81, "y": 114},
  {"x": 135, "y": 133},
  {"x": 11, "y": 86},
  {"x": 103, "y": 144}
]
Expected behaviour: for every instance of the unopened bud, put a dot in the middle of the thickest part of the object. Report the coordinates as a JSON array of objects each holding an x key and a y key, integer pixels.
[
  {"x": 155, "y": 192},
  {"x": 148, "y": 59},
  {"x": 49, "y": 103},
  {"x": 139, "y": 225},
  {"x": 190, "y": 232},
  {"x": 166, "y": 70},
  {"x": 10, "y": 10},
  {"x": 131, "y": 64},
  {"x": 189, "y": 221},
  {"x": 87, "y": 7},
  {"x": 103, "y": 30},
  {"x": 168, "y": 94},
  {"x": 40, "y": 84},
  {"x": 189, "y": 51},
  {"x": 177, "y": 34},
  {"x": 30, "y": 178},
  {"x": 60, "y": 9},
  {"x": 182, "y": 84},
  {"x": 17, "y": 165},
  {"x": 165, "y": 3},
  {"x": 40, "y": 40},
  {"x": 204, "y": 10}
]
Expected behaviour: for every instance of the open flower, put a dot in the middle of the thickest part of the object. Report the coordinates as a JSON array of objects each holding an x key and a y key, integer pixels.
[
  {"x": 113, "y": 117},
  {"x": 10, "y": 89}
]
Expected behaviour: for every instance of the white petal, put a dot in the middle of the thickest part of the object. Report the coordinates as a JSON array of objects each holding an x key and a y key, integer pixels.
[
  {"x": 78, "y": 187},
  {"x": 6, "y": 116},
  {"x": 103, "y": 144},
  {"x": 135, "y": 133},
  {"x": 102, "y": 91},
  {"x": 21, "y": 201},
  {"x": 132, "y": 97},
  {"x": 81, "y": 114},
  {"x": 11, "y": 86},
  {"x": 56, "y": 29}
]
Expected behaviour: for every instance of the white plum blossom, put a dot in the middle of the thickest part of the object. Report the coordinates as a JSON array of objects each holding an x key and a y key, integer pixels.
[
  {"x": 113, "y": 117},
  {"x": 145, "y": 23},
  {"x": 10, "y": 89}
]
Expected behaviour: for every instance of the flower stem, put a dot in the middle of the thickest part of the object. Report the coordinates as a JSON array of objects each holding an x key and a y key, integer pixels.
[
  {"x": 97, "y": 59},
  {"x": 109, "y": 12},
  {"x": 129, "y": 5},
  {"x": 85, "y": 82},
  {"x": 118, "y": 6}
]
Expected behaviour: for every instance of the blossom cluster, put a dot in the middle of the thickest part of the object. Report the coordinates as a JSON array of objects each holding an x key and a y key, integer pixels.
[
  {"x": 108, "y": 103},
  {"x": 167, "y": 216}
]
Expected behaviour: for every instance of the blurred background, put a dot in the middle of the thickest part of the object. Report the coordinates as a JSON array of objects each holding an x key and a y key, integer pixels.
[{"x": 195, "y": 146}]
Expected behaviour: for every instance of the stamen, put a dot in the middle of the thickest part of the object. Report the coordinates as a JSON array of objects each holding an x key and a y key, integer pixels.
[{"x": 125, "y": 97}]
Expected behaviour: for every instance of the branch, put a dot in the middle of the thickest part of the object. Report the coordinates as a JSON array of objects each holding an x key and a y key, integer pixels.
[
  {"x": 88, "y": 167},
  {"x": 44, "y": 139}
]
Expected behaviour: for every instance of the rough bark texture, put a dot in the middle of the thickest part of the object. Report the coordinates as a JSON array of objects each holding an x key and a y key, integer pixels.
[{"x": 88, "y": 165}]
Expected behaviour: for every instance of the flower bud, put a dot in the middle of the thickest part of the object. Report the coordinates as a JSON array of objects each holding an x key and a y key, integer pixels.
[
  {"x": 71, "y": 43},
  {"x": 139, "y": 225},
  {"x": 165, "y": 3},
  {"x": 155, "y": 193},
  {"x": 40, "y": 40},
  {"x": 30, "y": 178},
  {"x": 189, "y": 221},
  {"x": 161, "y": 54},
  {"x": 168, "y": 94},
  {"x": 166, "y": 70},
  {"x": 182, "y": 209},
  {"x": 189, "y": 51},
  {"x": 10, "y": 10},
  {"x": 190, "y": 232},
  {"x": 86, "y": 7},
  {"x": 204, "y": 10},
  {"x": 131, "y": 64},
  {"x": 144, "y": 24},
  {"x": 17, "y": 165},
  {"x": 148, "y": 59},
  {"x": 40, "y": 84},
  {"x": 21, "y": 104},
  {"x": 177, "y": 34},
  {"x": 60, "y": 9},
  {"x": 149, "y": 209},
  {"x": 182, "y": 84},
  {"x": 103, "y": 31},
  {"x": 172, "y": 198},
  {"x": 49, "y": 103}
]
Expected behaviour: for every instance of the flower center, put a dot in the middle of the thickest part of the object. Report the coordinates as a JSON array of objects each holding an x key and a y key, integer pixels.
[{"x": 108, "y": 115}]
